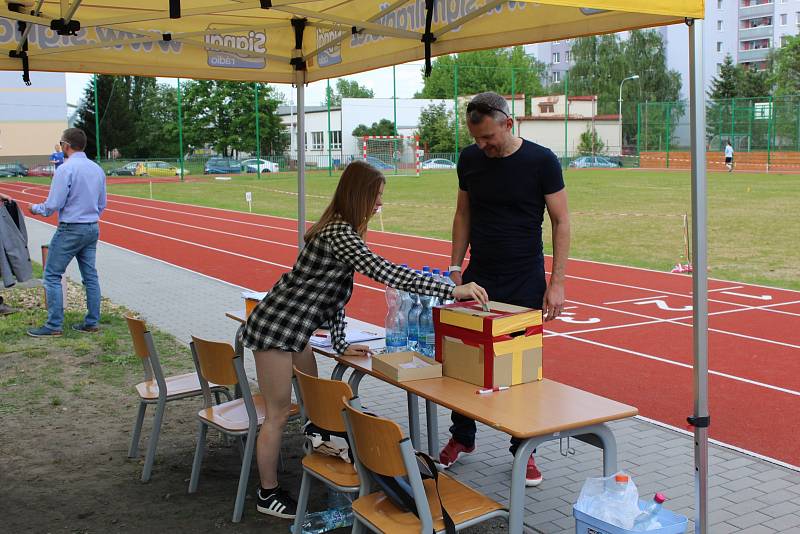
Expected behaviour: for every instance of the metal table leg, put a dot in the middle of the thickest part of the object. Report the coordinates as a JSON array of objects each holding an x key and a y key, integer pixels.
[
  {"x": 516, "y": 501},
  {"x": 432, "y": 414},
  {"x": 413, "y": 419},
  {"x": 355, "y": 380},
  {"x": 338, "y": 371}
]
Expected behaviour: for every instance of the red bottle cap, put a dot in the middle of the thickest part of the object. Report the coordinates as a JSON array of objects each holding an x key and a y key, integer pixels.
[
  {"x": 659, "y": 498},
  {"x": 622, "y": 479}
]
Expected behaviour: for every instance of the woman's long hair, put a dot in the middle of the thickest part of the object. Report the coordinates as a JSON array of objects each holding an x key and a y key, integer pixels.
[{"x": 354, "y": 199}]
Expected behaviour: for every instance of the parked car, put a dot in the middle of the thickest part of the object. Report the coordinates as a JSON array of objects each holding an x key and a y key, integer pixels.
[
  {"x": 157, "y": 168},
  {"x": 44, "y": 169},
  {"x": 585, "y": 162},
  {"x": 437, "y": 163},
  {"x": 252, "y": 165},
  {"x": 128, "y": 169},
  {"x": 222, "y": 166},
  {"x": 13, "y": 169}
]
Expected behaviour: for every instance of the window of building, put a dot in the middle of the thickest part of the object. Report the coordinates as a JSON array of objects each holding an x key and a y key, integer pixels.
[
  {"x": 567, "y": 56},
  {"x": 556, "y": 76},
  {"x": 317, "y": 140},
  {"x": 305, "y": 140},
  {"x": 719, "y": 25},
  {"x": 719, "y": 46},
  {"x": 719, "y": 4},
  {"x": 336, "y": 139},
  {"x": 756, "y": 22},
  {"x": 556, "y": 57},
  {"x": 719, "y": 68},
  {"x": 784, "y": 18},
  {"x": 784, "y": 39}
]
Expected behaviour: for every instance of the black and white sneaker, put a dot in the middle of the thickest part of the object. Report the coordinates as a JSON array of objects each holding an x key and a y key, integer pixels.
[{"x": 276, "y": 502}]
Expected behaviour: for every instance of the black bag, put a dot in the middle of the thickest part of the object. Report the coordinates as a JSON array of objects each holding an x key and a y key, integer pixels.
[{"x": 398, "y": 489}]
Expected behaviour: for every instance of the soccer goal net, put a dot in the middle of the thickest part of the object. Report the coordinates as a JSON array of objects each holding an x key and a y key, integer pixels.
[{"x": 393, "y": 154}]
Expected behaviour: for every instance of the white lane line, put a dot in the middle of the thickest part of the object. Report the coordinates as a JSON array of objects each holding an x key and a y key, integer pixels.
[
  {"x": 677, "y": 321},
  {"x": 724, "y": 288},
  {"x": 637, "y": 298},
  {"x": 684, "y": 365},
  {"x": 214, "y": 249}
]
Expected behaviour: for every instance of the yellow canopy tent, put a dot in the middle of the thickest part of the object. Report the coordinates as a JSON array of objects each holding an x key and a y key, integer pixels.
[{"x": 301, "y": 41}]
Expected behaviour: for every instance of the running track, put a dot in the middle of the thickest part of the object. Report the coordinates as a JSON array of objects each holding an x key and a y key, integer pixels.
[{"x": 625, "y": 333}]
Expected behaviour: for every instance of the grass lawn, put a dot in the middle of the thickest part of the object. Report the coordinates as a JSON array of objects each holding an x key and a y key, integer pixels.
[{"x": 627, "y": 217}]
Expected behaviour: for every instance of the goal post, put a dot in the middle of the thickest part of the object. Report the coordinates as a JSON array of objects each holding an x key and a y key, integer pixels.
[{"x": 393, "y": 154}]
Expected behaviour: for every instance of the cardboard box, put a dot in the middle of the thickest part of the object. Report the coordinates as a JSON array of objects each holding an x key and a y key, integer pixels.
[
  {"x": 405, "y": 366},
  {"x": 501, "y": 347}
]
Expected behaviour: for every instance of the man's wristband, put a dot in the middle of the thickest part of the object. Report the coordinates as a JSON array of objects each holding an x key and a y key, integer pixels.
[{"x": 454, "y": 269}]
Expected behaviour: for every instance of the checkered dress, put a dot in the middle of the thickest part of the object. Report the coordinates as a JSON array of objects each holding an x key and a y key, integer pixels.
[{"x": 319, "y": 285}]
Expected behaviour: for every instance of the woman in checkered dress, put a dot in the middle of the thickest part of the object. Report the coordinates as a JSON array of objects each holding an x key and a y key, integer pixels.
[{"x": 314, "y": 292}]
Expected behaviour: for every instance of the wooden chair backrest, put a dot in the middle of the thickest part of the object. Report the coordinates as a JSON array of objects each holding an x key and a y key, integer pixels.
[
  {"x": 137, "y": 328},
  {"x": 216, "y": 361},
  {"x": 321, "y": 400},
  {"x": 377, "y": 442}
]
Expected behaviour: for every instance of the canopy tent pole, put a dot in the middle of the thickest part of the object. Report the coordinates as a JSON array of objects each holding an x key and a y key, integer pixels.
[
  {"x": 301, "y": 157},
  {"x": 700, "y": 420}
]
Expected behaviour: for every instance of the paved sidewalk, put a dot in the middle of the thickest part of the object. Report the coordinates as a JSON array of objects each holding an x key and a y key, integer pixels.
[{"x": 746, "y": 494}]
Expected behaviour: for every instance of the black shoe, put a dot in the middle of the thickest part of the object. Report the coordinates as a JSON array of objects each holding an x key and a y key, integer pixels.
[
  {"x": 85, "y": 329},
  {"x": 276, "y": 502},
  {"x": 43, "y": 331}
]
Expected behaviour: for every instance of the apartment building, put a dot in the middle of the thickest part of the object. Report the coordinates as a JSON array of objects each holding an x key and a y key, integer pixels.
[{"x": 747, "y": 30}]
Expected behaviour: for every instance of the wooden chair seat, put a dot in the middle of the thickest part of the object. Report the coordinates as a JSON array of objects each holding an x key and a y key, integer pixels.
[
  {"x": 332, "y": 468},
  {"x": 178, "y": 385},
  {"x": 232, "y": 416},
  {"x": 462, "y": 502}
]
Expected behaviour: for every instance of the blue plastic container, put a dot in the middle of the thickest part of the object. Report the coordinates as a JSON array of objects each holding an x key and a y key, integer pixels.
[{"x": 671, "y": 523}]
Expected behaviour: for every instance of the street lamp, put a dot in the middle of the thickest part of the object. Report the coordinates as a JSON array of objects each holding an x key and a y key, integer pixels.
[{"x": 634, "y": 77}]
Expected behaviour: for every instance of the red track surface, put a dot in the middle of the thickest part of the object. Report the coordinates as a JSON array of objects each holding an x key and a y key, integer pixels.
[{"x": 626, "y": 333}]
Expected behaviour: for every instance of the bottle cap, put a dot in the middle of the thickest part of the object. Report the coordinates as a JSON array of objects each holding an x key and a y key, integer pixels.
[
  {"x": 659, "y": 498},
  {"x": 621, "y": 478}
]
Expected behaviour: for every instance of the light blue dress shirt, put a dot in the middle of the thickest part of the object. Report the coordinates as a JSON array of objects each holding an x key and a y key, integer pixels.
[{"x": 77, "y": 192}]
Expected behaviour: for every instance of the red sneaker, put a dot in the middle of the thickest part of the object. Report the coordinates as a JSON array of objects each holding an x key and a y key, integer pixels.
[
  {"x": 532, "y": 476},
  {"x": 451, "y": 451}
]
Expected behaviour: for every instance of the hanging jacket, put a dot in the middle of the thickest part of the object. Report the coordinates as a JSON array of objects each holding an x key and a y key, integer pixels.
[{"x": 15, "y": 260}]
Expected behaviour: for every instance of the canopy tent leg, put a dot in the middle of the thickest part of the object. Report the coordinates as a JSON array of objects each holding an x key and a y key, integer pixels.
[
  {"x": 301, "y": 157},
  {"x": 700, "y": 420}
]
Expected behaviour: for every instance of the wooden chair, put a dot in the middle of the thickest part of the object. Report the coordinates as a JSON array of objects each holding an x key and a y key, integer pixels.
[
  {"x": 321, "y": 400},
  {"x": 380, "y": 448},
  {"x": 241, "y": 417},
  {"x": 157, "y": 389}
]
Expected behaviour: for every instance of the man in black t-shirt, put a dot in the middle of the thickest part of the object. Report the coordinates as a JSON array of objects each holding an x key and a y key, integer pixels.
[{"x": 505, "y": 183}]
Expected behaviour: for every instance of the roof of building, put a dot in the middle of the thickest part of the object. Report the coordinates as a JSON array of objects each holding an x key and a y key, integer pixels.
[{"x": 292, "y": 110}]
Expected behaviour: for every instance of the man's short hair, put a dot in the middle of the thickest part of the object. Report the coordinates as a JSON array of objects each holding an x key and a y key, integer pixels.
[
  {"x": 487, "y": 104},
  {"x": 74, "y": 137}
]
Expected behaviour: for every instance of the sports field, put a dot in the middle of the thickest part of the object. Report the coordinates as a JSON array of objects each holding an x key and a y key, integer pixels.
[{"x": 628, "y": 217}]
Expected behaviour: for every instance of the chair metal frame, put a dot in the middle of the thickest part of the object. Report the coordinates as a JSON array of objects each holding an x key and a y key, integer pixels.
[
  {"x": 153, "y": 371},
  {"x": 414, "y": 478},
  {"x": 305, "y": 484},
  {"x": 242, "y": 392}
]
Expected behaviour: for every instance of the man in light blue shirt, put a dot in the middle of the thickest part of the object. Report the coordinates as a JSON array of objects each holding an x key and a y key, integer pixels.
[{"x": 78, "y": 194}]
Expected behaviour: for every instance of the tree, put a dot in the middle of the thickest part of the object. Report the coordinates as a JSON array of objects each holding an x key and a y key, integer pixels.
[
  {"x": 346, "y": 89},
  {"x": 602, "y": 62},
  {"x": 384, "y": 127},
  {"x": 485, "y": 70},
  {"x": 221, "y": 114},
  {"x": 590, "y": 143},
  {"x": 786, "y": 68}
]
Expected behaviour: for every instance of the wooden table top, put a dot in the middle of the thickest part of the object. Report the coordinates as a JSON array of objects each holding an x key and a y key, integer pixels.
[{"x": 522, "y": 411}]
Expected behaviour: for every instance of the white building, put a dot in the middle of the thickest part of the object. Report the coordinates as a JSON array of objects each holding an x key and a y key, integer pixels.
[
  {"x": 747, "y": 30},
  {"x": 31, "y": 118},
  {"x": 546, "y": 125},
  {"x": 346, "y": 118}
]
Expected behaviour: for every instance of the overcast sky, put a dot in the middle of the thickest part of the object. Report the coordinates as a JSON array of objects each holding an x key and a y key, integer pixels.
[{"x": 409, "y": 81}]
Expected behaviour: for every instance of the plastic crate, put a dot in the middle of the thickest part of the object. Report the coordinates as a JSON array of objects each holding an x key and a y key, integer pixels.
[{"x": 671, "y": 523}]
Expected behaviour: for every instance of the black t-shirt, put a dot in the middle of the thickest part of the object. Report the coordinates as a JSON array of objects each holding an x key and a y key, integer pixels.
[{"x": 506, "y": 200}]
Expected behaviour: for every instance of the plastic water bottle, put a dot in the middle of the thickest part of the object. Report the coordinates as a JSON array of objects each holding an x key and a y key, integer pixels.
[
  {"x": 396, "y": 323},
  {"x": 437, "y": 275},
  {"x": 406, "y": 302},
  {"x": 426, "y": 269},
  {"x": 610, "y": 506},
  {"x": 648, "y": 519},
  {"x": 426, "y": 336},
  {"x": 339, "y": 514},
  {"x": 413, "y": 320},
  {"x": 449, "y": 281}
]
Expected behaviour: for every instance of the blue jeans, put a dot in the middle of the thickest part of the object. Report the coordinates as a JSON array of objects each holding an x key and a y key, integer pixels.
[{"x": 72, "y": 240}]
